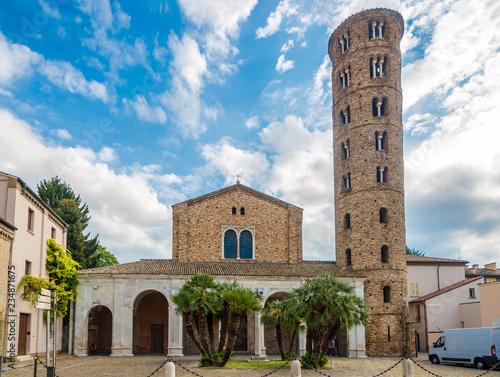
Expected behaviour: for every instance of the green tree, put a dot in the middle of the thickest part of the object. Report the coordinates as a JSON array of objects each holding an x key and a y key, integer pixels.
[
  {"x": 273, "y": 314},
  {"x": 414, "y": 251},
  {"x": 324, "y": 304},
  {"x": 102, "y": 257}
]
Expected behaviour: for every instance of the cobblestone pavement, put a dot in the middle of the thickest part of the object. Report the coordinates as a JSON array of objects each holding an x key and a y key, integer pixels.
[{"x": 142, "y": 366}]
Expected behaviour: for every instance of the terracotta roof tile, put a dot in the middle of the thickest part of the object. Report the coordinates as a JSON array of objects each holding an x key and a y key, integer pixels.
[
  {"x": 444, "y": 290},
  {"x": 470, "y": 272},
  {"x": 223, "y": 268},
  {"x": 420, "y": 259}
]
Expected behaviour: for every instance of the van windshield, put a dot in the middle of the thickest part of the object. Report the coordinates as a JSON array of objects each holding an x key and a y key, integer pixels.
[{"x": 440, "y": 342}]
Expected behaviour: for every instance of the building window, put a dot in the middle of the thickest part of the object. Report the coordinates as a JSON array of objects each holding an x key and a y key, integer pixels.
[
  {"x": 376, "y": 29},
  {"x": 234, "y": 210},
  {"x": 31, "y": 220},
  {"x": 344, "y": 42},
  {"x": 384, "y": 254},
  {"x": 238, "y": 244},
  {"x": 27, "y": 268},
  {"x": 383, "y": 215},
  {"x": 345, "y": 77},
  {"x": 380, "y": 141},
  {"x": 345, "y": 116},
  {"x": 378, "y": 67},
  {"x": 472, "y": 293},
  {"x": 382, "y": 175},
  {"x": 53, "y": 233},
  {"x": 378, "y": 106},
  {"x": 348, "y": 261},
  {"x": 242, "y": 211},
  {"x": 414, "y": 289},
  {"x": 387, "y": 294},
  {"x": 419, "y": 316},
  {"x": 347, "y": 181},
  {"x": 347, "y": 221},
  {"x": 345, "y": 150},
  {"x": 230, "y": 244},
  {"x": 388, "y": 333}
]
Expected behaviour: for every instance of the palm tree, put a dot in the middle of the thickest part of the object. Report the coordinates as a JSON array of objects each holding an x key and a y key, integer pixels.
[
  {"x": 273, "y": 313},
  {"x": 325, "y": 304},
  {"x": 224, "y": 313},
  {"x": 240, "y": 300}
]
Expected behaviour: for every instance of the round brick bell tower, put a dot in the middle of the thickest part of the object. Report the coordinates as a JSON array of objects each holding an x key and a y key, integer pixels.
[{"x": 368, "y": 169}]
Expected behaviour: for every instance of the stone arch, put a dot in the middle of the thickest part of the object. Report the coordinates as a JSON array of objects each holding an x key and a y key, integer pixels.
[
  {"x": 150, "y": 322},
  {"x": 270, "y": 340},
  {"x": 99, "y": 330}
]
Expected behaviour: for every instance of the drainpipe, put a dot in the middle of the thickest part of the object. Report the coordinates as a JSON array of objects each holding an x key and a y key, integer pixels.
[
  {"x": 425, "y": 324},
  {"x": 439, "y": 279}
]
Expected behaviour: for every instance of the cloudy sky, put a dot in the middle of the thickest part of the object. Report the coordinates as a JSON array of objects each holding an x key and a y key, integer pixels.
[{"x": 139, "y": 105}]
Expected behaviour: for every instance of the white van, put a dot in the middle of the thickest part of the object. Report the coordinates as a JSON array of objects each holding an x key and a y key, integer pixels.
[{"x": 476, "y": 346}]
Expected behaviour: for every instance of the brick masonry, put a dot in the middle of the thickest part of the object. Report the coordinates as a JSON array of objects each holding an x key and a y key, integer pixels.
[
  {"x": 198, "y": 226},
  {"x": 386, "y": 335}
]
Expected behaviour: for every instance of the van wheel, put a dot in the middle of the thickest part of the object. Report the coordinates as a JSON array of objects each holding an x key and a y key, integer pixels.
[
  {"x": 479, "y": 363},
  {"x": 434, "y": 359}
]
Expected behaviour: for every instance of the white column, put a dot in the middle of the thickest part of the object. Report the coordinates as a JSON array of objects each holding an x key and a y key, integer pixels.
[
  {"x": 81, "y": 324},
  {"x": 302, "y": 342},
  {"x": 347, "y": 42},
  {"x": 379, "y": 108},
  {"x": 258, "y": 334},
  {"x": 379, "y": 143},
  {"x": 175, "y": 327},
  {"x": 380, "y": 24},
  {"x": 373, "y": 30},
  {"x": 343, "y": 80},
  {"x": 123, "y": 322},
  {"x": 348, "y": 79},
  {"x": 356, "y": 345},
  {"x": 346, "y": 147},
  {"x": 374, "y": 65},
  {"x": 342, "y": 44},
  {"x": 262, "y": 341},
  {"x": 346, "y": 118},
  {"x": 381, "y": 66}
]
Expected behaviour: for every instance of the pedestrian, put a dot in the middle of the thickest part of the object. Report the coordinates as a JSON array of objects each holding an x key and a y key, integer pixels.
[{"x": 334, "y": 348}]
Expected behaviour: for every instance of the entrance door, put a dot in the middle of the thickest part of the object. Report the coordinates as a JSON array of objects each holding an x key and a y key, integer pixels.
[
  {"x": 241, "y": 340},
  {"x": 156, "y": 338},
  {"x": 23, "y": 333}
]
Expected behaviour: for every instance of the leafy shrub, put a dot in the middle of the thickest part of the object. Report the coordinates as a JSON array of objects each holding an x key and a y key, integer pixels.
[
  {"x": 205, "y": 360},
  {"x": 309, "y": 361},
  {"x": 290, "y": 355}
]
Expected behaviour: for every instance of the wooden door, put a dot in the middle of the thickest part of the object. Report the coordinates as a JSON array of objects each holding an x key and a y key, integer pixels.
[
  {"x": 23, "y": 333},
  {"x": 156, "y": 339}
]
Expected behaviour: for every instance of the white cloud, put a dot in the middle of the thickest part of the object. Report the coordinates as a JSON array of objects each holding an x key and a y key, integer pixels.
[
  {"x": 148, "y": 113},
  {"x": 252, "y": 122},
  {"x": 125, "y": 208},
  {"x": 48, "y": 10},
  {"x": 418, "y": 124},
  {"x": 16, "y": 61},
  {"x": 62, "y": 134},
  {"x": 61, "y": 32},
  {"x": 321, "y": 88},
  {"x": 107, "y": 154},
  {"x": 284, "y": 9},
  {"x": 284, "y": 65},
  {"x": 64, "y": 75},
  {"x": 287, "y": 46}
]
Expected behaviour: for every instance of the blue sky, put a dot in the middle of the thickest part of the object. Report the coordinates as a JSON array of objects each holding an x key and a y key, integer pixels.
[{"x": 139, "y": 105}]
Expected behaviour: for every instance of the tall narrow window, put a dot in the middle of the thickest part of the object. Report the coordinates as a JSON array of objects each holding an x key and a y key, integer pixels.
[
  {"x": 246, "y": 249},
  {"x": 380, "y": 140},
  {"x": 387, "y": 294},
  {"x": 384, "y": 253},
  {"x": 347, "y": 221},
  {"x": 27, "y": 268},
  {"x": 344, "y": 42},
  {"x": 381, "y": 175},
  {"x": 348, "y": 260},
  {"x": 242, "y": 210},
  {"x": 230, "y": 244},
  {"x": 383, "y": 215},
  {"x": 377, "y": 67},
  {"x": 345, "y": 150},
  {"x": 347, "y": 181},
  {"x": 31, "y": 219},
  {"x": 234, "y": 210},
  {"x": 345, "y": 116},
  {"x": 376, "y": 29},
  {"x": 345, "y": 77},
  {"x": 53, "y": 233},
  {"x": 388, "y": 333},
  {"x": 378, "y": 106}
]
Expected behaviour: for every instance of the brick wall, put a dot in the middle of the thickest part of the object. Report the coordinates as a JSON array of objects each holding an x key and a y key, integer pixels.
[
  {"x": 198, "y": 225},
  {"x": 386, "y": 334}
]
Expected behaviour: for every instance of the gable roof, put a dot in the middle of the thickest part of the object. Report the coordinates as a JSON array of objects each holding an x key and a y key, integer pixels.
[
  {"x": 228, "y": 268},
  {"x": 415, "y": 260},
  {"x": 444, "y": 290},
  {"x": 238, "y": 186},
  {"x": 482, "y": 272}
]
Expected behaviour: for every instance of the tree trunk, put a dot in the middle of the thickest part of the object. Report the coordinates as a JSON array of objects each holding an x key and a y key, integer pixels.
[
  {"x": 211, "y": 335},
  {"x": 223, "y": 327},
  {"x": 202, "y": 323},
  {"x": 292, "y": 341},
  {"x": 318, "y": 339},
  {"x": 279, "y": 338},
  {"x": 309, "y": 340},
  {"x": 332, "y": 330},
  {"x": 190, "y": 330},
  {"x": 231, "y": 338}
]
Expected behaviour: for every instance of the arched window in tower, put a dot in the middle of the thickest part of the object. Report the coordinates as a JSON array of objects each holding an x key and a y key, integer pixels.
[
  {"x": 347, "y": 221},
  {"x": 347, "y": 115},
  {"x": 345, "y": 77},
  {"x": 345, "y": 150},
  {"x": 242, "y": 210},
  {"x": 246, "y": 249},
  {"x": 387, "y": 294},
  {"x": 383, "y": 215},
  {"x": 376, "y": 29},
  {"x": 381, "y": 175},
  {"x": 377, "y": 67},
  {"x": 230, "y": 244},
  {"x": 379, "y": 105},
  {"x": 234, "y": 210},
  {"x": 384, "y": 254},
  {"x": 380, "y": 141},
  {"x": 348, "y": 260},
  {"x": 347, "y": 181},
  {"x": 344, "y": 42}
]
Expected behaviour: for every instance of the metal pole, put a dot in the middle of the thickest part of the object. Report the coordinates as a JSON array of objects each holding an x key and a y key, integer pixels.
[
  {"x": 55, "y": 331},
  {"x": 47, "y": 346}
]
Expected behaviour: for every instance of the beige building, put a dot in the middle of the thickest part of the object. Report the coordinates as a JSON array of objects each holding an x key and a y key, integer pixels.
[
  {"x": 236, "y": 233},
  {"x": 490, "y": 273},
  {"x": 35, "y": 223}
]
